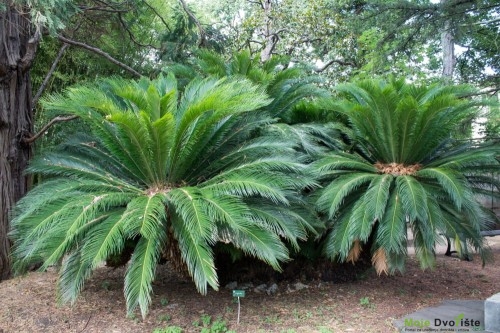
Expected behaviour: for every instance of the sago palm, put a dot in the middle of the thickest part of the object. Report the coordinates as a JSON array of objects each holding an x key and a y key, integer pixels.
[
  {"x": 286, "y": 85},
  {"x": 172, "y": 174},
  {"x": 404, "y": 169},
  {"x": 293, "y": 90}
]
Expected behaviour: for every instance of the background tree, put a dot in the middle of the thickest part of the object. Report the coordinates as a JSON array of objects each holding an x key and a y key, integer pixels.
[
  {"x": 20, "y": 34},
  {"x": 443, "y": 37},
  {"x": 310, "y": 32}
]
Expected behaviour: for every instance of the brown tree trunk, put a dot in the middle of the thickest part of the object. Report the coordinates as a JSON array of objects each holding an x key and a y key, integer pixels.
[
  {"x": 18, "y": 43},
  {"x": 271, "y": 38},
  {"x": 448, "y": 47}
]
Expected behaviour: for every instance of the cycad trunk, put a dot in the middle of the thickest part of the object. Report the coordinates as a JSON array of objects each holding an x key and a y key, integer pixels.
[
  {"x": 16, "y": 55},
  {"x": 173, "y": 255}
]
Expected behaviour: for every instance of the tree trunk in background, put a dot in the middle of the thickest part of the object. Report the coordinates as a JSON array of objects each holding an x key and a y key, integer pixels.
[
  {"x": 18, "y": 44},
  {"x": 448, "y": 47},
  {"x": 271, "y": 38}
]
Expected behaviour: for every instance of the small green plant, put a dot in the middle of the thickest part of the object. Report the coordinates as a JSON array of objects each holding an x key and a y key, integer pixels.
[
  {"x": 164, "y": 302},
  {"x": 218, "y": 326},
  {"x": 207, "y": 326},
  {"x": 365, "y": 302},
  {"x": 203, "y": 321},
  {"x": 297, "y": 315},
  {"x": 165, "y": 317},
  {"x": 168, "y": 329},
  {"x": 475, "y": 292},
  {"x": 273, "y": 319},
  {"x": 323, "y": 329},
  {"x": 290, "y": 330}
]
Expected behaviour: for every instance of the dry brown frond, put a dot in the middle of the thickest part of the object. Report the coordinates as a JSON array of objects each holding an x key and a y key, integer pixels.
[
  {"x": 355, "y": 251},
  {"x": 379, "y": 261}
]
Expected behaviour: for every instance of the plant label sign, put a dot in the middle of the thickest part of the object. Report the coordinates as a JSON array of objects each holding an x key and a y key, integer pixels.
[{"x": 238, "y": 293}]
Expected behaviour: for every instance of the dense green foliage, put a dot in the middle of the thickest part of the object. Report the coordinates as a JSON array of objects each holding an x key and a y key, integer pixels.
[
  {"x": 174, "y": 173},
  {"x": 404, "y": 169},
  {"x": 286, "y": 85}
]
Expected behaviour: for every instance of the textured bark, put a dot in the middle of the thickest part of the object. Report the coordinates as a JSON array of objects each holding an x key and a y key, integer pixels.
[
  {"x": 18, "y": 43},
  {"x": 269, "y": 33},
  {"x": 448, "y": 47}
]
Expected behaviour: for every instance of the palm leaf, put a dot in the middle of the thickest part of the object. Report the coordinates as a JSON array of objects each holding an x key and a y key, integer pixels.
[
  {"x": 391, "y": 231},
  {"x": 197, "y": 255},
  {"x": 451, "y": 182},
  {"x": 74, "y": 272},
  {"x": 104, "y": 239},
  {"x": 333, "y": 195},
  {"x": 141, "y": 271},
  {"x": 413, "y": 197}
]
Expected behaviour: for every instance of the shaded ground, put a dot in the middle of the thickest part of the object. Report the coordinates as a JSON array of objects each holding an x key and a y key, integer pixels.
[{"x": 370, "y": 304}]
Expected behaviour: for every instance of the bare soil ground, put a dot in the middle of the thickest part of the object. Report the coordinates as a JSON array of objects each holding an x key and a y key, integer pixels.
[{"x": 369, "y": 304}]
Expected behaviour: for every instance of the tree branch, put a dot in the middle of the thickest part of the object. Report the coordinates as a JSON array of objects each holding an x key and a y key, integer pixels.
[
  {"x": 158, "y": 14},
  {"x": 99, "y": 52},
  {"x": 49, "y": 74},
  {"x": 46, "y": 127},
  {"x": 331, "y": 62},
  {"x": 259, "y": 2},
  {"x": 102, "y": 9},
  {"x": 305, "y": 40},
  {"x": 202, "y": 37},
  {"x": 131, "y": 35}
]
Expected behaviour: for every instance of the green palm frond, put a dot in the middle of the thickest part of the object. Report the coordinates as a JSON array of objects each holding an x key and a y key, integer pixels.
[
  {"x": 286, "y": 85},
  {"x": 259, "y": 243},
  {"x": 391, "y": 231},
  {"x": 377, "y": 196},
  {"x": 314, "y": 139},
  {"x": 413, "y": 197},
  {"x": 334, "y": 194},
  {"x": 74, "y": 272},
  {"x": 451, "y": 181},
  {"x": 105, "y": 240},
  {"x": 197, "y": 255},
  {"x": 141, "y": 271}
]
